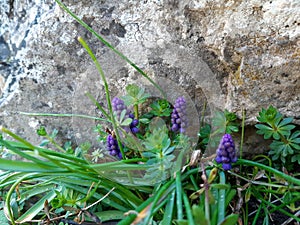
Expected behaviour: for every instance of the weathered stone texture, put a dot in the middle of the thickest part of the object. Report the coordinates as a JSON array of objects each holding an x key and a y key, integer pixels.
[{"x": 233, "y": 54}]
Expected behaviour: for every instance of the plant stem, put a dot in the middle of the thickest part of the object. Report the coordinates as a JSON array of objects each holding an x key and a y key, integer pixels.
[
  {"x": 243, "y": 133},
  {"x": 99, "y": 68},
  {"x": 136, "y": 111},
  {"x": 206, "y": 190},
  {"x": 98, "y": 105},
  {"x": 62, "y": 115},
  {"x": 9, "y": 194},
  {"x": 51, "y": 140},
  {"x": 203, "y": 113}
]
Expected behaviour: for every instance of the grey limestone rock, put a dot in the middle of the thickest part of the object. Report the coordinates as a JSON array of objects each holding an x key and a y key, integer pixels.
[{"x": 232, "y": 54}]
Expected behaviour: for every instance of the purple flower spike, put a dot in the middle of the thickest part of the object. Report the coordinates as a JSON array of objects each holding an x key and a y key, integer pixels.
[
  {"x": 226, "y": 153},
  {"x": 112, "y": 147},
  {"x": 178, "y": 116},
  {"x": 118, "y": 106}
]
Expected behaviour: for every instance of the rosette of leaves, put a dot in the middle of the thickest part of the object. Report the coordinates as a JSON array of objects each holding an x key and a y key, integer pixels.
[
  {"x": 135, "y": 96},
  {"x": 159, "y": 151},
  {"x": 286, "y": 143},
  {"x": 160, "y": 107}
]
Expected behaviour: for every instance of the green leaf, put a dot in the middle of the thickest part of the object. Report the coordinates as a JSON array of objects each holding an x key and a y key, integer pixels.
[
  {"x": 128, "y": 100},
  {"x": 110, "y": 215},
  {"x": 296, "y": 158},
  {"x": 229, "y": 196},
  {"x": 126, "y": 122},
  {"x": 199, "y": 215},
  {"x": 221, "y": 198},
  {"x": 3, "y": 219},
  {"x": 132, "y": 90},
  {"x": 12, "y": 165},
  {"x": 36, "y": 208},
  {"x": 188, "y": 209},
  {"x": 286, "y": 121},
  {"x": 295, "y": 135},
  {"x": 248, "y": 195},
  {"x": 42, "y": 131},
  {"x": 181, "y": 222},
  {"x": 135, "y": 95},
  {"x": 232, "y": 128},
  {"x": 219, "y": 120},
  {"x": 168, "y": 214},
  {"x": 161, "y": 108},
  {"x": 144, "y": 120},
  {"x": 230, "y": 220},
  {"x": 54, "y": 133},
  {"x": 122, "y": 115}
]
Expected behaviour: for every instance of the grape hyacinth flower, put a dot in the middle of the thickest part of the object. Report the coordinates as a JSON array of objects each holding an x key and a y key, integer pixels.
[
  {"x": 118, "y": 106},
  {"x": 226, "y": 153},
  {"x": 178, "y": 116},
  {"x": 133, "y": 126},
  {"x": 113, "y": 147}
]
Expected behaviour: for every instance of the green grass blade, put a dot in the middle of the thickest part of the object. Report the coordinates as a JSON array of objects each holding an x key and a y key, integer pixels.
[
  {"x": 20, "y": 166},
  {"x": 107, "y": 92},
  {"x": 271, "y": 205},
  {"x": 36, "y": 208},
  {"x": 179, "y": 196},
  {"x": 159, "y": 198},
  {"x": 130, "y": 218},
  {"x": 9, "y": 194},
  {"x": 16, "y": 137},
  {"x": 271, "y": 170},
  {"x": 119, "y": 205},
  {"x": 230, "y": 220},
  {"x": 23, "y": 154},
  {"x": 96, "y": 103},
  {"x": 36, "y": 189},
  {"x": 221, "y": 199},
  {"x": 63, "y": 115},
  {"x": 188, "y": 210},
  {"x": 60, "y": 155},
  {"x": 258, "y": 212},
  {"x": 110, "y": 215},
  {"x": 168, "y": 215}
]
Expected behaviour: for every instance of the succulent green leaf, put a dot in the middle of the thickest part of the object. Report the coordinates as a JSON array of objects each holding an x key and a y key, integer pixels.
[
  {"x": 296, "y": 158},
  {"x": 42, "y": 131},
  {"x": 161, "y": 108},
  {"x": 135, "y": 95}
]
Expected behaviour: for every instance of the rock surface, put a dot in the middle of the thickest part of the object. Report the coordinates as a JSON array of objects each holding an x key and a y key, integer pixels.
[{"x": 233, "y": 54}]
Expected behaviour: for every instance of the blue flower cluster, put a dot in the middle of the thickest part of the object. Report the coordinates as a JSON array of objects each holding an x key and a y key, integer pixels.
[
  {"x": 133, "y": 126},
  {"x": 112, "y": 146},
  {"x": 118, "y": 106},
  {"x": 178, "y": 116},
  {"x": 226, "y": 153}
]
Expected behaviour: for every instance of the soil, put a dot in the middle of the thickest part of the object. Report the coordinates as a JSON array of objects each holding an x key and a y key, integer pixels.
[{"x": 276, "y": 218}]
